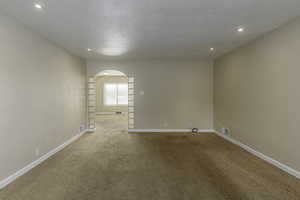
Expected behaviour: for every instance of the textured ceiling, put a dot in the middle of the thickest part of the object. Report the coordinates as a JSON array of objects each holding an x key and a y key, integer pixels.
[{"x": 151, "y": 29}]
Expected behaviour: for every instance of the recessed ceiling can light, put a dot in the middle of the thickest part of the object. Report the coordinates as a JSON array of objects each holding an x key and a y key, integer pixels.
[
  {"x": 38, "y": 6},
  {"x": 240, "y": 29}
]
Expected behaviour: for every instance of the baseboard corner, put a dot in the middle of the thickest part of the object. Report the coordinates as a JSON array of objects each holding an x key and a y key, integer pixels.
[{"x": 90, "y": 130}]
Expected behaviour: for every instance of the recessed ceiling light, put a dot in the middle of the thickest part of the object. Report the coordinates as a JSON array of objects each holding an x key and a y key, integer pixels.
[
  {"x": 88, "y": 49},
  {"x": 114, "y": 45},
  {"x": 240, "y": 29},
  {"x": 38, "y": 6},
  {"x": 113, "y": 51},
  {"x": 212, "y": 49}
]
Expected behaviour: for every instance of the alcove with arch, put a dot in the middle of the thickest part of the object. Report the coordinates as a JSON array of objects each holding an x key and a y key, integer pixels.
[{"x": 92, "y": 100}]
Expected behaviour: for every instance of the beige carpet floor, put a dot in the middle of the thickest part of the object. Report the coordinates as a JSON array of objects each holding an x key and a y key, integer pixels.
[{"x": 114, "y": 165}]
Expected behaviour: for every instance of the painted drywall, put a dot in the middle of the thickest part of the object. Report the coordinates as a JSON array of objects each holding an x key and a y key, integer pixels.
[
  {"x": 42, "y": 101},
  {"x": 256, "y": 94},
  {"x": 177, "y": 94},
  {"x": 100, "y": 81}
]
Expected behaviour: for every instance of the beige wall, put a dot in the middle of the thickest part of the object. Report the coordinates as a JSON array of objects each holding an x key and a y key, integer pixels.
[
  {"x": 257, "y": 94},
  {"x": 177, "y": 94},
  {"x": 42, "y": 101},
  {"x": 100, "y": 81}
]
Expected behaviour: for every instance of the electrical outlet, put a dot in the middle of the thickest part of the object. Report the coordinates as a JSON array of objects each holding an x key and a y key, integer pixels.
[
  {"x": 37, "y": 151},
  {"x": 195, "y": 130},
  {"x": 225, "y": 131}
]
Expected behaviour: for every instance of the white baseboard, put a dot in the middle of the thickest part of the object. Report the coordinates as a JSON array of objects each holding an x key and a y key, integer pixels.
[
  {"x": 35, "y": 163},
  {"x": 109, "y": 113},
  {"x": 268, "y": 159},
  {"x": 169, "y": 131},
  {"x": 90, "y": 130}
]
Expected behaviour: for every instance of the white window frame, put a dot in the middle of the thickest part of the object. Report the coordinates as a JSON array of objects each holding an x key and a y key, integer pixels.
[{"x": 104, "y": 93}]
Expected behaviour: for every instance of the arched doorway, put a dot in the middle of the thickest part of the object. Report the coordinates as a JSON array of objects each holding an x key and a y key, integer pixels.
[{"x": 110, "y": 92}]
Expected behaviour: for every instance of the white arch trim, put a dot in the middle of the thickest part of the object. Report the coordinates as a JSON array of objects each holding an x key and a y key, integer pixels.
[{"x": 91, "y": 105}]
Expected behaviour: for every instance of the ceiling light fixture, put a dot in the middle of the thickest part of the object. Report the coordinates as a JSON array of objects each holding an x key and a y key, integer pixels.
[
  {"x": 88, "y": 49},
  {"x": 113, "y": 51},
  {"x": 212, "y": 49},
  {"x": 240, "y": 29},
  {"x": 38, "y": 6},
  {"x": 114, "y": 45}
]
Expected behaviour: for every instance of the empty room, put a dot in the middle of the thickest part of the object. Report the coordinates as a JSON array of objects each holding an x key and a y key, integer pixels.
[{"x": 149, "y": 100}]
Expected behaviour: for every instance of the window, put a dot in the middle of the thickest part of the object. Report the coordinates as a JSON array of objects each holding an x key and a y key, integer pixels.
[{"x": 115, "y": 94}]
